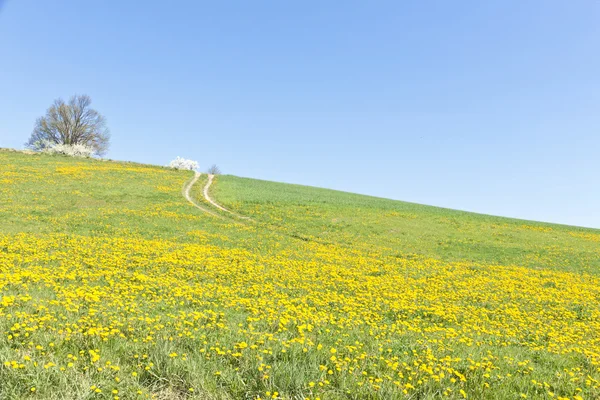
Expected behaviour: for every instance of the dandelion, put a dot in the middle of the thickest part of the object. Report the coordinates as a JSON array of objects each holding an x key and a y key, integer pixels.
[{"x": 127, "y": 277}]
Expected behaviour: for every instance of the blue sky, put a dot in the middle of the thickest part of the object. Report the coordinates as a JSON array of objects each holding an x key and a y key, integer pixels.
[{"x": 487, "y": 106}]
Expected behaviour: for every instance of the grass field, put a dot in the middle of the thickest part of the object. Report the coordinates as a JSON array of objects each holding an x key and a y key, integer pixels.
[
  {"x": 406, "y": 228},
  {"x": 114, "y": 287}
]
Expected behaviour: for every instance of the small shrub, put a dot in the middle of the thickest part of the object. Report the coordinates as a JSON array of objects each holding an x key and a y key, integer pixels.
[
  {"x": 182, "y": 163},
  {"x": 214, "y": 170}
]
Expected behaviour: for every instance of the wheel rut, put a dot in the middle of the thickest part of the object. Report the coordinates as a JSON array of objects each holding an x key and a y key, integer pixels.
[{"x": 186, "y": 193}]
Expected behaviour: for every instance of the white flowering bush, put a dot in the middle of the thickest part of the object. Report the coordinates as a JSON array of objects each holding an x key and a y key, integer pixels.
[
  {"x": 182, "y": 163},
  {"x": 72, "y": 150}
]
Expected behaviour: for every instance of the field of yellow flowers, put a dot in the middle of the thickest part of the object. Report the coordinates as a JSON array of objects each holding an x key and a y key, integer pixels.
[{"x": 112, "y": 286}]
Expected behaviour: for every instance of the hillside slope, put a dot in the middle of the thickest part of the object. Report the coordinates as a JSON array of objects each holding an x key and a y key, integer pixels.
[
  {"x": 114, "y": 286},
  {"x": 407, "y": 228}
]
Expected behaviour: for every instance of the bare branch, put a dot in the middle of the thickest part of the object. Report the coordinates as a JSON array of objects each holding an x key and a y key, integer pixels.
[
  {"x": 71, "y": 123},
  {"x": 214, "y": 170}
]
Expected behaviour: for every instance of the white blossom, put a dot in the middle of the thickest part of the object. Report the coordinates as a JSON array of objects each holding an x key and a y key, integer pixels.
[
  {"x": 73, "y": 150},
  {"x": 182, "y": 163}
]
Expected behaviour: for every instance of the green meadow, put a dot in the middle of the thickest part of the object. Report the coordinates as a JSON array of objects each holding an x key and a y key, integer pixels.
[{"x": 113, "y": 286}]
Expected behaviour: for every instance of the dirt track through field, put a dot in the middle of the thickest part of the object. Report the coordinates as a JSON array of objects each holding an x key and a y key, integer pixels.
[
  {"x": 186, "y": 193},
  {"x": 214, "y": 203},
  {"x": 207, "y": 196},
  {"x": 274, "y": 229}
]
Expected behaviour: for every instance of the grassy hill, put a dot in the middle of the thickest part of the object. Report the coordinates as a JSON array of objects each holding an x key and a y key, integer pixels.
[
  {"x": 113, "y": 286},
  {"x": 406, "y": 228}
]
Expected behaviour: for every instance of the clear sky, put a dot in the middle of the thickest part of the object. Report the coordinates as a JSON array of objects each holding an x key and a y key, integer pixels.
[{"x": 487, "y": 106}]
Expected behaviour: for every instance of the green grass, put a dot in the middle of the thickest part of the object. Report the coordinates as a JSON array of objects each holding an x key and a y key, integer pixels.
[
  {"x": 408, "y": 228},
  {"x": 114, "y": 247}
]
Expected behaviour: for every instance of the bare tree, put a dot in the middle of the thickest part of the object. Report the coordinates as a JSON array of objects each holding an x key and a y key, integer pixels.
[
  {"x": 71, "y": 123},
  {"x": 214, "y": 170}
]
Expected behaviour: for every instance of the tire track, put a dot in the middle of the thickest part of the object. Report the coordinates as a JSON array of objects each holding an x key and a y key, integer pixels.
[
  {"x": 186, "y": 193},
  {"x": 214, "y": 203}
]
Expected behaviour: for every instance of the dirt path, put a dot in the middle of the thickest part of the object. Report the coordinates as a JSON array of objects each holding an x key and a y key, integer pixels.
[
  {"x": 211, "y": 177},
  {"x": 214, "y": 203},
  {"x": 186, "y": 194},
  {"x": 207, "y": 196}
]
